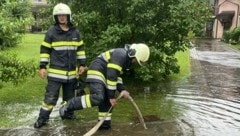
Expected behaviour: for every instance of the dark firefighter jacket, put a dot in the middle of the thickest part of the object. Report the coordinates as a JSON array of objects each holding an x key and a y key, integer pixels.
[
  {"x": 63, "y": 51},
  {"x": 106, "y": 69}
]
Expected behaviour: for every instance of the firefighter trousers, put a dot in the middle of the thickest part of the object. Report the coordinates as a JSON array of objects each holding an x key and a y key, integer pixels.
[
  {"x": 97, "y": 97},
  {"x": 52, "y": 94}
]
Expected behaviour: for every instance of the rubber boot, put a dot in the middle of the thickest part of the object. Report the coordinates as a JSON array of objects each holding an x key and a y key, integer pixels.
[
  {"x": 106, "y": 125},
  {"x": 67, "y": 109},
  {"x": 43, "y": 118},
  {"x": 70, "y": 115}
]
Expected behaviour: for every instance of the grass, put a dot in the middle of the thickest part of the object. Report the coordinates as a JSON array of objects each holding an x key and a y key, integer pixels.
[
  {"x": 25, "y": 92},
  {"x": 184, "y": 63},
  {"x": 237, "y": 46},
  {"x": 32, "y": 87},
  {"x": 29, "y": 48},
  {"x": 30, "y": 92},
  {"x": 23, "y": 100}
]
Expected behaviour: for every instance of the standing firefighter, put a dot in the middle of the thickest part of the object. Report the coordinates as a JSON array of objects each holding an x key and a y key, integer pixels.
[
  {"x": 63, "y": 49},
  {"x": 103, "y": 78}
]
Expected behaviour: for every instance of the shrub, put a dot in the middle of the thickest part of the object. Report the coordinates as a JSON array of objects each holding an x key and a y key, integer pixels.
[
  {"x": 232, "y": 36},
  {"x": 15, "y": 70},
  {"x": 227, "y": 36},
  {"x": 235, "y": 35}
]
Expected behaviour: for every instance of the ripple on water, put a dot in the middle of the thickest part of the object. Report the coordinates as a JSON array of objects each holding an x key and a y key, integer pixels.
[{"x": 208, "y": 116}]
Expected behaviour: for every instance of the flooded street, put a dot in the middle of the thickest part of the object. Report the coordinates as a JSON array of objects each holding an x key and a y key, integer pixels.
[
  {"x": 210, "y": 97},
  {"x": 207, "y": 103}
]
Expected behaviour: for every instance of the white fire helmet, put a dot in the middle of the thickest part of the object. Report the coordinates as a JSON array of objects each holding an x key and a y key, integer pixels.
[
  {"x": 62, "y": 9},
  {"x": 140, "y": 51}
]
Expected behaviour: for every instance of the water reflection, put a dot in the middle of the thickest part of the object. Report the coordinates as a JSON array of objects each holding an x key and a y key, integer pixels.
[{"x": 210, "y": 97}]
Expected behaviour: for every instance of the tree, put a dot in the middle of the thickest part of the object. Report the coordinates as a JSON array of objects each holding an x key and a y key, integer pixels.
[
  {"x": 161, "y": 24},
  {"x": 15, "y": 15}
]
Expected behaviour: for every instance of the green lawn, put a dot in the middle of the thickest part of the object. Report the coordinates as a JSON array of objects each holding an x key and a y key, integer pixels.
[
  {"x": 31, "y": 87},
  {"x": 237, "y": 46},
  {"x": 29, "y": 47},
  {"x": 184, "y": 63}
]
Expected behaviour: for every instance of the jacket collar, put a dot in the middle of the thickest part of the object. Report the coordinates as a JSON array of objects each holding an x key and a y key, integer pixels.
[{"x": 58, "y": 28}]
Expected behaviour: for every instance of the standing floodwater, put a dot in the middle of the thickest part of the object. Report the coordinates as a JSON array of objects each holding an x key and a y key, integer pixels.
[
  {"x": 210, "y": 97},
  {"x": 207, "y": 103}
]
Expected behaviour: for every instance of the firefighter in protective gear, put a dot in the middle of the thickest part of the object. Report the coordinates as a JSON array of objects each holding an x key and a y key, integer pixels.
[
  {"x": 61, "y": 53},
  {"x": 103, "y": 78}
]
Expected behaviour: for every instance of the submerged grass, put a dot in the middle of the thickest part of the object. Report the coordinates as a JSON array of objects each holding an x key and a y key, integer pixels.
[{"x": 20, "y": 104}]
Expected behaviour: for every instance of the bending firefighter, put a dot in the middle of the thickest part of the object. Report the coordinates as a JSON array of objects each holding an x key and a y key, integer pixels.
[
  {"x": 63, "y": 50},
  {"x": 103, "y": 78}
]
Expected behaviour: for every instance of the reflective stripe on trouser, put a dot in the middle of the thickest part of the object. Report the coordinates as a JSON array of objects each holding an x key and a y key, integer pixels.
[
  {"x": 101, "y": 115},
  {"x": 50, "y": 100},
  {"x": 107, "y": 122},
  {"x": 51, "y": 97},
  {"x": 52, "y": 94},
  {"x": 103, "y": 108},
  {"x": 47, "y": 107},
  {"x": 78, "y": 103},
  {"x": 97, "y": 91}
]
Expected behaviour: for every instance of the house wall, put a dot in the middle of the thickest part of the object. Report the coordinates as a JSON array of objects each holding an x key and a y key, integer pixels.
[
  {"x": 36, "y": 5},
  {"x": 226, "y": 5},
  {"x": 38, "y": 2}
]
